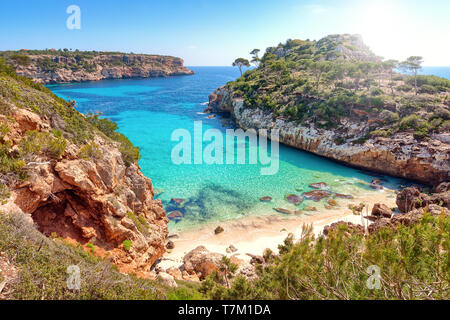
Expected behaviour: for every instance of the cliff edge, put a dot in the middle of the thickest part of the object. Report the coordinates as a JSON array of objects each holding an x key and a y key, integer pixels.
[
  {"x": 76, "y": 177},
  {"x": 51, "y": 66}
]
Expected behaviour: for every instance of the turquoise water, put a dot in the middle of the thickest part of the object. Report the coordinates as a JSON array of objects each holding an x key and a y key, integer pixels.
[{"x": 149, "y": 110}]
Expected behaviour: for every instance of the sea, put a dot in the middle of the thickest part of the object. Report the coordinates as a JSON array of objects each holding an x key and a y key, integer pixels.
[{"x": 149, "y": 111}]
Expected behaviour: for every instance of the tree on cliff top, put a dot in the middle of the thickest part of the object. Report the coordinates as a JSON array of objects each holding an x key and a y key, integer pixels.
[
  {"x": 413, "y": 65},
  {"x": 255, "y": 57},
  {"x": 241, "y": 62}
]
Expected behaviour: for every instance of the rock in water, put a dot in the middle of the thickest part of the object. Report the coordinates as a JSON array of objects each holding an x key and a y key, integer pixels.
[
  {"x": 177, "y": 201},
  {"x": 318, "y": 185},
  {"x": 219, "y": 230},
  {"x": 294, "y": 199},
  {"x": 284, "y": 211},
  {"x": 175, "y": 215},
  {"x": 265, "y": 199},
  {"x": 317, "y": 195},
  {"x": 343, "y": 196}
]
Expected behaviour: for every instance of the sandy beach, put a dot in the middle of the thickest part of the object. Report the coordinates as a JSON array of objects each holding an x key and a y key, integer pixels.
[{"x": 255, "y": 234}]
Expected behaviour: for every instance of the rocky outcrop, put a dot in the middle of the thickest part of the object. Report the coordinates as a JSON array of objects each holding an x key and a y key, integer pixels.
[
  {"x": 399, "y": 155},
  {"x": 100, "y": 67},
  {"x": 411, "y": 198},
  {"x": 98, "y": 202},
  {"x": 202, "y": 262}
]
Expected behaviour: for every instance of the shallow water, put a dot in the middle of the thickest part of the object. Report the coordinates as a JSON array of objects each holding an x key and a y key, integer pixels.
[{"x": 149, "y": 110}]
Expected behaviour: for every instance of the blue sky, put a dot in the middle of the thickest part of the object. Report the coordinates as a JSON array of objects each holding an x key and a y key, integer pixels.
[{"x": 215, "y": 32}]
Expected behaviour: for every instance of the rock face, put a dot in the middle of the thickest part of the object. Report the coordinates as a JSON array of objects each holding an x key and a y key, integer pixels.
[
  {"x": 101, "y": 66},
  {"x": 99, "y": 201},
  {"x": 399, "y": 155},
  {"x": 411, "y": 198}
]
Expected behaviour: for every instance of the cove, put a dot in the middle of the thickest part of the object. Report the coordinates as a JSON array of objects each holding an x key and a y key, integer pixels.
[{"x": 148, "y": 111}]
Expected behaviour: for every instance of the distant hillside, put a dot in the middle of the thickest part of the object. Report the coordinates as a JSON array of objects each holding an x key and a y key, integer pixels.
[
  {"x": 62, "y": 66},
  {"x": 336, "y": 98}
]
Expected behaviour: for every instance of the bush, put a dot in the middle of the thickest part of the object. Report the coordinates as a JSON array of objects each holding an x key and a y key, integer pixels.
[
  {"x": 413, "y": 264},
  {"x": 90, "y": 151},
  {"x": 43, "y": 263},
  {"x": 127, "y": 244},
  {"x": 404, "y": 88},
  {"x": 428, "y": 89},
  {"x": 410, "y": 122}
]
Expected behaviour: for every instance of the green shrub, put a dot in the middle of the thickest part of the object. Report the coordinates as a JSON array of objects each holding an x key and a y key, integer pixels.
[
  {"x": 410, "y": 122},
  {"x": 4, "y": 192},
  {"x": 127, "y": 244},
  {"x": 90, "y": 151},
  {"x": 413, "y": 263}
]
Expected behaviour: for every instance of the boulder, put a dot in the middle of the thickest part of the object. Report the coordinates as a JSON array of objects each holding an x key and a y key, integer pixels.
[
  {"x": 175, "y": 273},
  {"x": 318, "y": 185},
  {"x": 316, "y": 195},
  {"x": 381, "y": 210},
  {"x": 170, "y": 245},
  {"x": 166, "y": 279},
  {"x": 409, "y": 199},
  {"x": 350, "y": 227},
  {"x": 175, "y": 215},
  {"x": 265, "y": 199},
  {"x": 294, "y": 199},
  {"x": 218, "y": 230},
  {"x": 201, "y": 261}
]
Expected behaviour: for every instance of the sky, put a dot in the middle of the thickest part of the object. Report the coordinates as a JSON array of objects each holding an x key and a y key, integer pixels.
[{"x": 215, "y": 32}]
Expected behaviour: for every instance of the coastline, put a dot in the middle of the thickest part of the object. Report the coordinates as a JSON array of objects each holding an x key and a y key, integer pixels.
[{"x": 254, "y": 234}]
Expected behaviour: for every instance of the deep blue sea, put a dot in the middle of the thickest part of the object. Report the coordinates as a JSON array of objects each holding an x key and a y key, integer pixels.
[{"x": 149, "y": 110}]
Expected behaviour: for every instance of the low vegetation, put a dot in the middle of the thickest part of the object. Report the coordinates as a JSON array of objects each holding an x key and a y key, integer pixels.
[
  {"x": 412, "y": 261},
  {"x": 43, "y": 264},
  {"x": 338, "y": 77}
]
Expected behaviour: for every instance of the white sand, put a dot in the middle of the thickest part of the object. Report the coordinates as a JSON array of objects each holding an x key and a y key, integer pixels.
[{"x": 255, "y": 234}]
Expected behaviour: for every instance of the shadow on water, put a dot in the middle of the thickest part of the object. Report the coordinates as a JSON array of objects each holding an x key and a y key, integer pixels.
[{"x": 212, "y": 202}]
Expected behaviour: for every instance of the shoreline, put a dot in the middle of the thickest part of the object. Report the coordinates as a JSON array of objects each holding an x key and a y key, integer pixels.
[{"x": 256, "y": 233}]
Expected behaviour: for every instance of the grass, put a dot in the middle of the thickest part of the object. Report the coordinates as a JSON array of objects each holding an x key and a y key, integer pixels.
[{"x": 43, "y": 263}]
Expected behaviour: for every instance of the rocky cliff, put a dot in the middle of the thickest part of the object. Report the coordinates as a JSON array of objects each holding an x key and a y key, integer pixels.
[
  {"x": 64, "y": 67},
  {"x": 399, "y": 155},
  {"x": 75, "y": 180},
  {"x": 335, "y": 98}
]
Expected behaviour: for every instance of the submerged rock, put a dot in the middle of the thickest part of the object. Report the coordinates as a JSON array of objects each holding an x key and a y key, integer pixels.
[
  {"x": 294, "y": 199},
  {"x": 175, "y": 215},
  {"x": 282, "y": 210},
  {"x": 178, "y": 201},
  {"x": 332, "y": 202},
  {"x": 317, "y": 195},
  {"x": 265, "y": 199},
  {"x": 310, "y": 208},
  {"x": 343, "y": 196},
  {"x": 318, "y": 185}
]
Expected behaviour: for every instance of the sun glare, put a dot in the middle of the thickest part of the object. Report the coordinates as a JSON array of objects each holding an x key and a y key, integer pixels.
[{"x": 381, "y": 27}]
